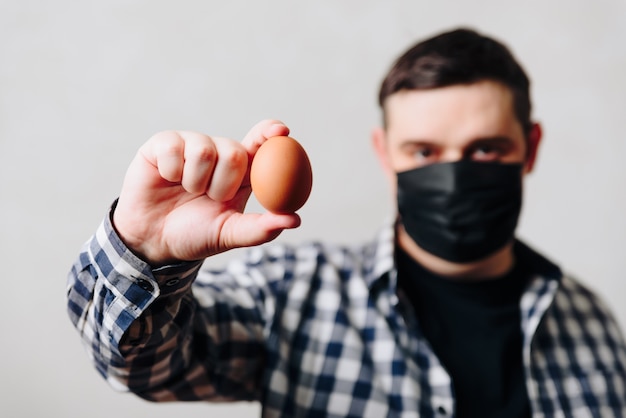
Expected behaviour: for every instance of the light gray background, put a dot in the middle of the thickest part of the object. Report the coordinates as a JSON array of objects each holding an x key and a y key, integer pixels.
[{"x": 84, "y": 83}]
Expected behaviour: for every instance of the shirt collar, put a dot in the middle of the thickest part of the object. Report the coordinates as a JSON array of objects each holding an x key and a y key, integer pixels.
[
  {"x": 379, "y": 258},
  {"x": 380, "y": 265}
]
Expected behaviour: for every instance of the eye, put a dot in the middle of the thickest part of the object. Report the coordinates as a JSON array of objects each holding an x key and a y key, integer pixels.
[
  {"x": 424, "y": 154},
  {"x": 486, "y": 152}
]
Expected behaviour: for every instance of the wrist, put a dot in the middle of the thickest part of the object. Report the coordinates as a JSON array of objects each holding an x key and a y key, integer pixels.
[{"x": 133, "y": 242}]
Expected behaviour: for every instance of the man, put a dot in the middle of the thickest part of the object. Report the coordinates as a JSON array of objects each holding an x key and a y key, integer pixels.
[{"x": 444, "y": 314}]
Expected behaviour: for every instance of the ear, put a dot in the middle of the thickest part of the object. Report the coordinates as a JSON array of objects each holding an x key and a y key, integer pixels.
[
  {"x": 379, "y": 143},
  {"x": 534, "y": 139}
]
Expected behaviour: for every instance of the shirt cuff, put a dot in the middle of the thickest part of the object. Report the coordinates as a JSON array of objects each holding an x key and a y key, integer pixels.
[{"x": 132, "y": 275}]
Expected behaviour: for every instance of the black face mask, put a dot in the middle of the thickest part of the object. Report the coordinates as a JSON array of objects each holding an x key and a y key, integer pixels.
[{"x": 461, "y": 211}]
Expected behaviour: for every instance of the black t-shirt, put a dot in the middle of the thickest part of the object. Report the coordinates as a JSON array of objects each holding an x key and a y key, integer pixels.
[{"x": 474, "y": 328}]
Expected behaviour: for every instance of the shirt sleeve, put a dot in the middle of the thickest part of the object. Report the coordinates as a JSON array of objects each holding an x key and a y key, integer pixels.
[{"x": 161, "y": 335}]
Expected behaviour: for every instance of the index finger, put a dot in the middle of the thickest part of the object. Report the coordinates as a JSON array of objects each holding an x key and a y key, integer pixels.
[{"x": 261, "y": 132}]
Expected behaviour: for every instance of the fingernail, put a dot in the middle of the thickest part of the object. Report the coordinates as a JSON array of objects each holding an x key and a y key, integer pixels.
[{"x": 279, "y": 126}]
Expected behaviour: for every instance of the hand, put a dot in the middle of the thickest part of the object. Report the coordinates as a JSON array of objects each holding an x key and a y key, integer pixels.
[{"x": 184, "y": 195}]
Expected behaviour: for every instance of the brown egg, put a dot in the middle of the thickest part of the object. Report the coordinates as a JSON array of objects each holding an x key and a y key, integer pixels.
[{"x": 280, "y": 175}]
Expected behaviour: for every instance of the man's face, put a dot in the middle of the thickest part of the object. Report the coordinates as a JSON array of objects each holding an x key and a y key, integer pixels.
[{"x": 471, "y": 121}]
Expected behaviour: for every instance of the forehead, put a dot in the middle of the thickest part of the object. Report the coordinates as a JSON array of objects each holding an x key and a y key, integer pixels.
[{"x": 454, "y": 113}]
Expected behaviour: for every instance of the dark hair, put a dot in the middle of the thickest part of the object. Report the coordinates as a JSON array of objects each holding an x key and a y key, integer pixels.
[{"x": 460, "y": 56}]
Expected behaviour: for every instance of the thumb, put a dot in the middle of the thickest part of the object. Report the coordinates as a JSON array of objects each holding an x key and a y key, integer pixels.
[{"x": 247, "y": 230}]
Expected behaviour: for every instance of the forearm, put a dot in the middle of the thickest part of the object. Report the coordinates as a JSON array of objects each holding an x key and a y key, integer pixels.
[
  {"x": 109, "y": 289},
  {"x": 147, "y": 333}
]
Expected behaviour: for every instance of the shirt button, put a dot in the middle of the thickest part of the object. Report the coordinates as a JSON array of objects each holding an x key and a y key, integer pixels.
[
  {"x": 172, "y": 282},
  {"x": 145, "y": 285}
]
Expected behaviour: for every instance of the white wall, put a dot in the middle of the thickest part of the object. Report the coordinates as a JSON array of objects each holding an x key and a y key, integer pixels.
[{"x": 84, "y": 83}]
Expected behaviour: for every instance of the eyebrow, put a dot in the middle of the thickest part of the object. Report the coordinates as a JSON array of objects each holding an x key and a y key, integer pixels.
[
  {"x": 416, "y": 142},
  {"x": 494, "y": 140}
]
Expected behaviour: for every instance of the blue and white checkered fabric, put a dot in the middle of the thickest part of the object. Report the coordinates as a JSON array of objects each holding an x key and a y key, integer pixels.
[{"x": 317, "y": 330}]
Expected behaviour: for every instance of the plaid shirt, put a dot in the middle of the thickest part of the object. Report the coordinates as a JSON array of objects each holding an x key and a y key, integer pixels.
[{"x": 317, "y": 330}]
